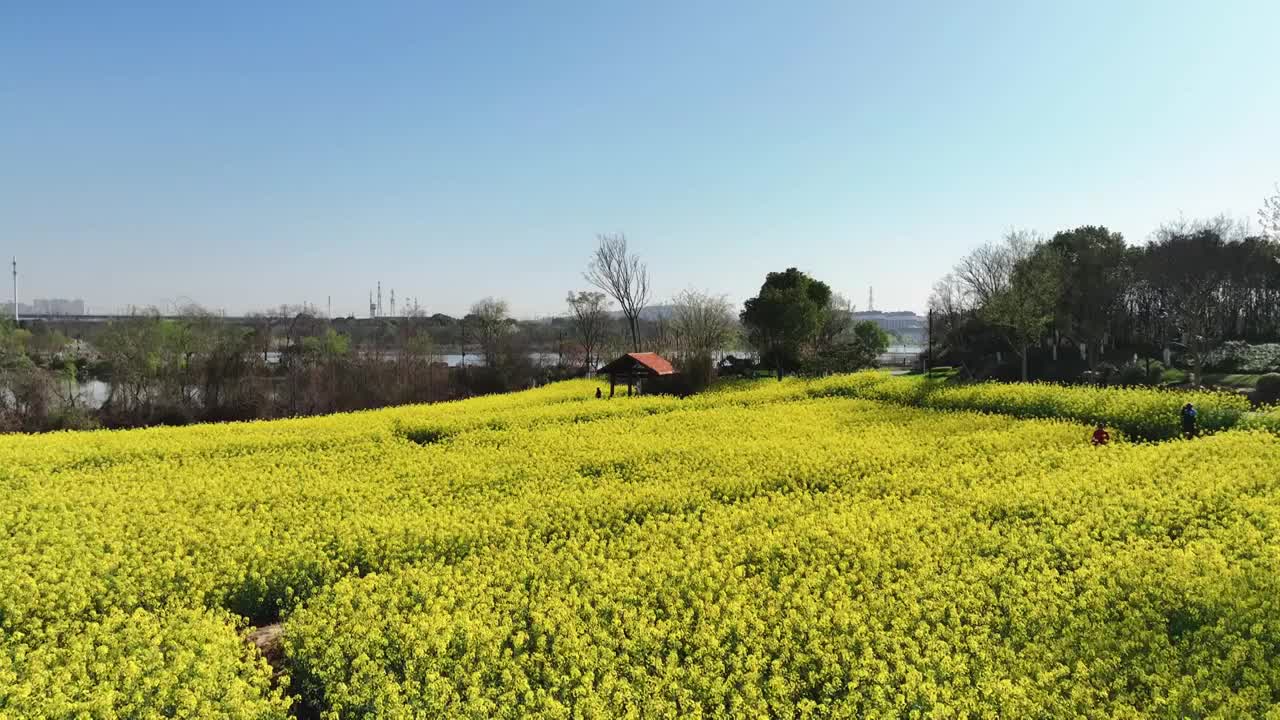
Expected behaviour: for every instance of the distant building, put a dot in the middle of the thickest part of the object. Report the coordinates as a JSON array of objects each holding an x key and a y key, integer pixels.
[
  {"x": 58, "y": 306},
  {"x": 45, "y": 306},
  {"x": 906, "y": 325}
]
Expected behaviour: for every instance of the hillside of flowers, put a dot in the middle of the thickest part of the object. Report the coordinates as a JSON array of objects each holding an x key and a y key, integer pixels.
[{"x": 855, "y": 546}]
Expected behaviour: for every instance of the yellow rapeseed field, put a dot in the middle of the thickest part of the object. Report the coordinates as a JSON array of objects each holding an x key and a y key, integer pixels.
[{"x": 856, "y": 546}]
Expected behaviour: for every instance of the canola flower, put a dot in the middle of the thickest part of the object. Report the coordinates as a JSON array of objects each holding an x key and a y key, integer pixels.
[
  {"x": 804, "y": 548},
  {"x": 1141, "y": 413}
]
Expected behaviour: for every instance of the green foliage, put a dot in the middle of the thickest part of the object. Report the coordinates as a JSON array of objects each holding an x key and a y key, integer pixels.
[
  {"x": 861, "y": 349},
  {"x": 329, "y": 346},
  {"x": 13, "y": 346},
  {"x": 1024, "y": 308},
  {"x": 870, "y": 337},
  {"x": 1093, "y": 277},
  {"x": 785, "y": 317},
  {"x": 1155, "y": 371},
  {"x": 1131, "y": 374}
]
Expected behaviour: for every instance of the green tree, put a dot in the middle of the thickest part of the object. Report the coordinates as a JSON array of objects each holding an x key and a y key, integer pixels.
[
  {"x": 326, "y": 347},
  {"x": 1023, "y": 307},
  {"x": 783, "y": 320},
  {"x": 13, "y": 346},
  {"x": 1093, "y": 278},
  {"x": 1187, "y": 270},
  {"x": 871, "y": 338}
]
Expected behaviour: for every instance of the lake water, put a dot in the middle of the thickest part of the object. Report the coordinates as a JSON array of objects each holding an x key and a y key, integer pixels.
[{"x": 94, "y": 393}]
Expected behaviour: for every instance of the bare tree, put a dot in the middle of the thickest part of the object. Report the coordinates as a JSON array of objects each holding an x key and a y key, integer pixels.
[
  {"x": 1269, "y": 215},
  {"x": 264, "y": 324},
  {"x": 590, "y": 315},
  {"x": 1023, "y": 308},
  {"x": 490, "y": 322},
  {"x": 987, "y": 271},
  {"x": 1187, "y": 267},
  {"x": 702, "y": 324},
  {"x": 619, "y": 273}
]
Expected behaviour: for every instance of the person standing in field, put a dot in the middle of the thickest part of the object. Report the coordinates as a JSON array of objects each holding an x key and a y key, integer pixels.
[
  {"x": 1100, "y": 435},
  {"x": 1188, "y": 421}
]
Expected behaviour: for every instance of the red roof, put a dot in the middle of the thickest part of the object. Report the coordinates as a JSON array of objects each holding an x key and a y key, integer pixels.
[{"x": 654, "y": 362}]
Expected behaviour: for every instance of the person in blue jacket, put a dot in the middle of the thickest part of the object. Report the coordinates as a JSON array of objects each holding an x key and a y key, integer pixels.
[{"x": 1188, "y": 421}]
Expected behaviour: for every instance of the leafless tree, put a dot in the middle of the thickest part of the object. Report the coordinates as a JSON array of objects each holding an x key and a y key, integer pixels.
[
  {"x": 590, "y": 314},
  {"x": 1269, "y": 215},
  {"x": 490, "y": 322},
  {"x": 1185, "y": 266},
  {"x": 1024, "y": 308},
  {"x": 702, "y": 324},
  {"x": 264, "y": 324},
  {"x": 949, "y": 299},
  {"x": 621, "y": 274},
  {"x": 987, "y": 271}
]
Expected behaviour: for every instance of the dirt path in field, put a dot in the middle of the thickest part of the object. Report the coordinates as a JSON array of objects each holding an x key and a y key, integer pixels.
[{"x": 269, "y": 639}]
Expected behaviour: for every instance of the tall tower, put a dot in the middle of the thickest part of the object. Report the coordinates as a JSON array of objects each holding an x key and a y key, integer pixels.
[
  {"x": 393, "y": 302},
  {"x": 15, "y": 288},
  {"x": 379, "y": 299},
  {"x": 373, "y": 309},
  {"x": 871, "y": 298}
]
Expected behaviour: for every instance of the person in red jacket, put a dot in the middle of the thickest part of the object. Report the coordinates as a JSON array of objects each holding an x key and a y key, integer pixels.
[{"x": 1100, "y": 435}]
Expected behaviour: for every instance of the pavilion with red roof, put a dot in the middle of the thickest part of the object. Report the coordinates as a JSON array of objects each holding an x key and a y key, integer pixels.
[{"x": 634, "y": 368}]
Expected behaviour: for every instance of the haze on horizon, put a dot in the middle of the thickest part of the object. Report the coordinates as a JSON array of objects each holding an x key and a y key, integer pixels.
[{"x": 246, "y": 155}]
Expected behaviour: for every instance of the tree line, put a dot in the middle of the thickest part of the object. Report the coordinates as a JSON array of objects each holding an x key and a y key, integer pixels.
[
  {"x": 1077, "y": 304},
  {"x": 196, "y": 365},
  {"x": 795, "y": 324}
]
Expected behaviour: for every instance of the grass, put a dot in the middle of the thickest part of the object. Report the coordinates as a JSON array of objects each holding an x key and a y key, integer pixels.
[{"x": 1234, "y": 380}]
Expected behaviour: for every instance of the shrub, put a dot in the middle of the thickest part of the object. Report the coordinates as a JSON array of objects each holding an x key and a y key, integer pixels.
[
  {"x": 1131, "y": 374},
  {"x": 1155, "y": 373},
  {"x": 1268, "y": 388}
]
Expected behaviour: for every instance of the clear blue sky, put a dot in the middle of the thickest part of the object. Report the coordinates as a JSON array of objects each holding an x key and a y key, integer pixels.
[{"x": 248, "y": 154}]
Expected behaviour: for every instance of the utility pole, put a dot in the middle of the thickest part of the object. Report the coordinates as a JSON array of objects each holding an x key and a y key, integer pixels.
[{"x": 15, "y": 289}]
